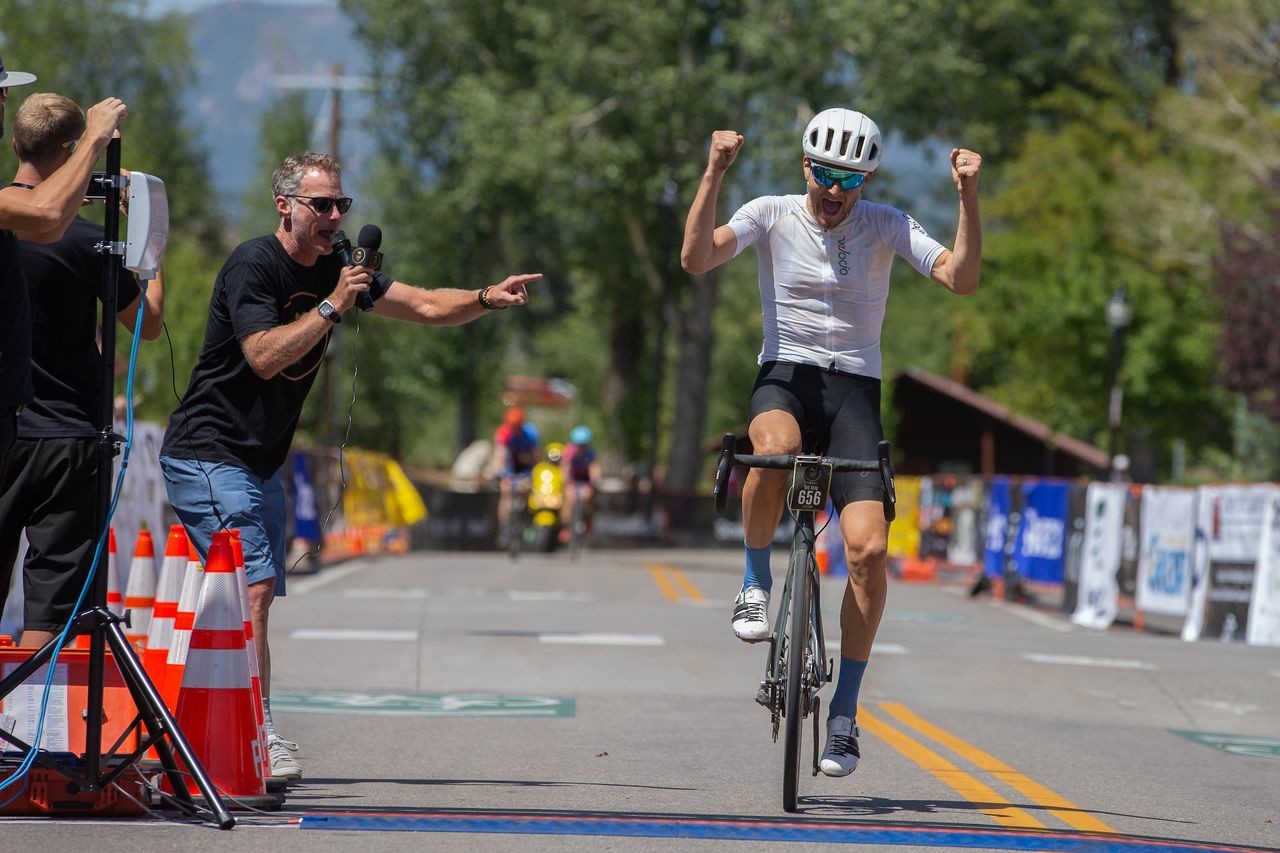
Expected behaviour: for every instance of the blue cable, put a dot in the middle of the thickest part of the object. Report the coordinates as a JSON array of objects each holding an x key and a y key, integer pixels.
[{"x": 25, "y": 767}]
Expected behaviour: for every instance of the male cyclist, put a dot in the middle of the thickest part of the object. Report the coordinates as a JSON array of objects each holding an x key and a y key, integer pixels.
[
  {"x": 516, "y": 445},
  {"x": 582, "y": 470},
  {"x": 824, "y": 258}
]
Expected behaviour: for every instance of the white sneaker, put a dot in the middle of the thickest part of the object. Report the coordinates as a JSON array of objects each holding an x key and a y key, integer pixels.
[
  {"x": 751, "y": 615},
  {"x": 840, "y": 756},
  {"x": 283, "y": 764}
]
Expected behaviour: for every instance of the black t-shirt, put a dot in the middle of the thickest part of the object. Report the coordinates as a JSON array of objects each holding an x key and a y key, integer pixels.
[
  {"x": 64, "y": 280},
  {"x": 230, "y": 414},
  {"x": 15, "y": 326}
]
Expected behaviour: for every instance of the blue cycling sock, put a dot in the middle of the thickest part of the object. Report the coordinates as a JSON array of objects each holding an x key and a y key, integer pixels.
[
  {"x": 844, "y": 703},
  {"x": 758, "y": 573}
]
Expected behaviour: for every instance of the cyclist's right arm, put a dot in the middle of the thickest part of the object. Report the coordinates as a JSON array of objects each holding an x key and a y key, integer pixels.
[{"x": 706, "y": 246}]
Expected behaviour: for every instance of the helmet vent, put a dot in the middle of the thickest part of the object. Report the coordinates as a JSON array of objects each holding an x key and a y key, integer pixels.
[
  {"x": 875, "y": 152},
  {"x": 858, "y": 151},
  {"x": 844, "y": 143},
  {"x": 831, "y": 134}
]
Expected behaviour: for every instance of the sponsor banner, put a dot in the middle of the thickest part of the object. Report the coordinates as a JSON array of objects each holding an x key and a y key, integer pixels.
[
  {"x": 1168, "y": 532},
  {"x": 1075, "y": 547},
  {"x": 997, "y": 527},
  {"x": 966, "y": 507},
  {"x": 1263, "y": 627},
  {"x": 904, "y": 533},
  {"x": 1042, "y": 532},
  {"x": 143, "y": 499},
  {"x": 1099, "y": 593},
  {"x": 306, "y": 524},
  {"x": 1225, "y": 556}
]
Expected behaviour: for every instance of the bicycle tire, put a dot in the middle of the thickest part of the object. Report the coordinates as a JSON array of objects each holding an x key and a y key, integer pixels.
[
  {"x": 515, "y": 524},
  {"x": 798, "y": 644}
]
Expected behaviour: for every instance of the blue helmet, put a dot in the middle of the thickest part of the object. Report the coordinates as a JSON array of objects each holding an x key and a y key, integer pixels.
[{"x": 581, "y": 434}]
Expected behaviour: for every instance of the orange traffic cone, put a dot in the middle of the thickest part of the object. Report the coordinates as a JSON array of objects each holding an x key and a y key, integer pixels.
[
  {"x": 183, "y": 621},
  {"x": 215, "y": 707},
  {"x": 140, "y": 596},
  {"x": 115, "y": 601},
  {"x": 251, "y": 648},
  {"x": 165, "y": 613}
]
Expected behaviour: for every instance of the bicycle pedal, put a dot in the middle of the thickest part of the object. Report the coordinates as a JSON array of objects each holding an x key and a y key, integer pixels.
[{"x": 762, "y": 696}]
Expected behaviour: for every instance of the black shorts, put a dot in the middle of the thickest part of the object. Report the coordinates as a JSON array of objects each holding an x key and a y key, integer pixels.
[
  {"x": 841, "y": 409},
  {"x": 51, "y": 489}
]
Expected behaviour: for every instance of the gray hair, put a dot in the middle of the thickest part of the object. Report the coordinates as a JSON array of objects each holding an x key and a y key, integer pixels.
[{"x": 287, "y": 178}]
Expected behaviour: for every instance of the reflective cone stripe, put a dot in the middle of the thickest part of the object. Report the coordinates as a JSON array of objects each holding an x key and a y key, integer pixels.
[
  {"x": 215, "y": 707},
  {"x": 115, "y": 600},
  {"x": 168, "y": 589},
  {"x": 140, "y": 596},
  {"x": 183, "y": 622},
  {"x": 250, "y": 647}
]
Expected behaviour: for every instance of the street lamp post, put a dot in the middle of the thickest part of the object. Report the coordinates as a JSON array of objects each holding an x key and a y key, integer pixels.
[{"x": 1119, "y": 315}]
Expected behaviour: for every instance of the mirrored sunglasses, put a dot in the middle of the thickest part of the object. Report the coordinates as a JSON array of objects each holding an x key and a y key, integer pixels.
[{"x": 828, "y": 177}]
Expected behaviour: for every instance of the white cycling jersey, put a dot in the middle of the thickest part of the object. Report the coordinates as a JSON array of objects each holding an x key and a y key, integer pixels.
[{"x": 823, "y": 293}]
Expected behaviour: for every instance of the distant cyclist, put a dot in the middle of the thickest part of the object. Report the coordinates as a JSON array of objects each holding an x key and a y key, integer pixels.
[
  {"x": 582, "y": 472},
  {"x": 516, "y": 446},
  {"x": 824, "y": 258}
]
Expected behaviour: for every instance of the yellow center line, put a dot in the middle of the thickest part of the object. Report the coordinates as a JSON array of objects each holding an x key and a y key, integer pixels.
[
  {"x": 686, "y": 585},
  {"x": 969, "y": 787},
  {"x": 660, "y": 578},
  {"x": 1063, "y": 809}
]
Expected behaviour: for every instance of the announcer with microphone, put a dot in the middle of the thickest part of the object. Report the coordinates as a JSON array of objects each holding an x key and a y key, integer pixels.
[{"x": 274, "y": 304}]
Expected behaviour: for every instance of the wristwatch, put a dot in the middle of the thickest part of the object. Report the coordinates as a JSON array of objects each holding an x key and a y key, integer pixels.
[{"x": 327, "y": 311}]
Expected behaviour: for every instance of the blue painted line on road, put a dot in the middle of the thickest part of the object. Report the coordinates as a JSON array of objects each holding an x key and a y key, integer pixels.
[{"x": 737, "y": 830}]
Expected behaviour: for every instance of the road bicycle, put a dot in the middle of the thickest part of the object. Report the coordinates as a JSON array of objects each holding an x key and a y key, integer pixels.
[
  {"x": 797, "y": 666},
  {"x": 577, "y": 521}
]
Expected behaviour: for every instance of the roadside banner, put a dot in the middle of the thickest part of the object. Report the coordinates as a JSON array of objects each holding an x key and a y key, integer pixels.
[
  {"x": 1264, "y": 607},
  {"x": 997, "y": 526},
  {"x": 1229, "y": 524},
  {"x": 904, "y": 533},
  {"x": 143, "y": 499},
  {"x": 1042, "y": 533},
  {"x": 966, "y": 506},
  {"x": 1099, "y": 594},
  {"x": 1168, "y": 532},
  {"x": 306, "y": 524}
]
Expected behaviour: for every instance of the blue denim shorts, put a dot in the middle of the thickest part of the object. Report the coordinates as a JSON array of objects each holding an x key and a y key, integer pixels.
[{"x": 208, "y": 495}]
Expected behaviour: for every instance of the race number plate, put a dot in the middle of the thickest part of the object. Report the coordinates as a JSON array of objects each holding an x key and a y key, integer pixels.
[{"x": 809, "y": 485}]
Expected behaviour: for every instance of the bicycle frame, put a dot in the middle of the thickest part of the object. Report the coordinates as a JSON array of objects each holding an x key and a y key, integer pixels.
[{"x": 797, "y": 666}]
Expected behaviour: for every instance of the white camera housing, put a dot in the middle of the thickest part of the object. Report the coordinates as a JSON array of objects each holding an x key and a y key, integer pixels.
[{"x": 148, "y": 225}]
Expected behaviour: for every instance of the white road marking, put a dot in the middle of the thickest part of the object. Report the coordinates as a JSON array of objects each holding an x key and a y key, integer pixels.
[
  {"x": 1078, "y": 660},
  {"x": 351, "y": 634},
  {"x": 328, "y": 576},
  {"x": 418, "y": 593},
  {"x": 604, "y": 639},
  {"x": 1050, "y": 622},
  {"x": 1237, "y": 708},
  {"x": 888, "y": 649}
]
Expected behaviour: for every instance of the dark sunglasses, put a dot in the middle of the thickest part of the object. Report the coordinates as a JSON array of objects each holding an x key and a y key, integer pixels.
[
  {"x": 321, "y": 204},
  {"x": 828, "y": 177}
]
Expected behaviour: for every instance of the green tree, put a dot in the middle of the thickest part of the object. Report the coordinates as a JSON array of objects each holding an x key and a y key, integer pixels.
[{"x": 546, "y": 135}]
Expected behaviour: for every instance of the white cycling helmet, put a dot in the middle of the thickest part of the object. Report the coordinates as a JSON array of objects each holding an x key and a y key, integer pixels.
[{"x": 843, "y": 138}]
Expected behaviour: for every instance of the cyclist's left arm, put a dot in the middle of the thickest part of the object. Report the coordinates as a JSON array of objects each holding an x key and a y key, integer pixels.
[{"x": 958, "y": 270}]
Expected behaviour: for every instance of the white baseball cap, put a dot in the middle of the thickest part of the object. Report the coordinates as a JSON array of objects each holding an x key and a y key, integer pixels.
[{"x": 14, "y": 78}]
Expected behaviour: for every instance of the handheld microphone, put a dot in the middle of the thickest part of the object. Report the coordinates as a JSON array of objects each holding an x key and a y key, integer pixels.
[{"x": 364, "y": 255}]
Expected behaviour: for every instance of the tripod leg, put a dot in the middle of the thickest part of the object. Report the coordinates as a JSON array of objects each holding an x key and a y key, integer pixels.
[{"x": 159, "y": 722}]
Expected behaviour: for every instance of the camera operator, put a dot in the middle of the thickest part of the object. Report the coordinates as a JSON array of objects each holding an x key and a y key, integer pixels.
[
  {"x": 41, "y": 216},
  {"x": 51, "y": 486},
  {"x": 274, "y": 304}
]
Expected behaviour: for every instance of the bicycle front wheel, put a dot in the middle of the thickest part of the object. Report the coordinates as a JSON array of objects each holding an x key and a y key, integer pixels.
[{"x": 794, "y": 696}]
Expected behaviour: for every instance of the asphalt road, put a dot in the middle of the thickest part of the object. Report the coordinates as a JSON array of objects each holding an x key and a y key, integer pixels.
[{"x": 460, "y": 701}]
